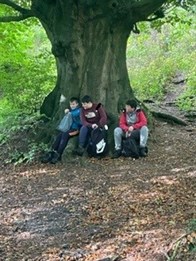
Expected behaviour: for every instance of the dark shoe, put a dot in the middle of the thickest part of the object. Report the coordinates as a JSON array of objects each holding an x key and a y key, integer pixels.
[
  {"x": 79, "y": 151},
  {"x": 56, "y": 157},
  {"x": 47, "y": 157},
  {"x": 143, "y": 152},
  {"x": 116, "y": 154}
]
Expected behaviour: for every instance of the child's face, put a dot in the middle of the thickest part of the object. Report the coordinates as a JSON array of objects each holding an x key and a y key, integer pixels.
[
  {"x": 73, "y": 105},
  {"x": 129, "y": 108},
  {"x": 87, "y": 105}
]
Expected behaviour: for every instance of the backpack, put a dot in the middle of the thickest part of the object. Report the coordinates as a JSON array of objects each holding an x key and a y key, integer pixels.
[
  {"x": 98, "y": 145},
  {"x": 131, "y": 148}
]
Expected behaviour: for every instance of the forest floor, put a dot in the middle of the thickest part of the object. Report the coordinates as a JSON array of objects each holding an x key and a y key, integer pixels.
[
  {"x": 89, "y": 209},
  {"x": 104, "y": 210}
]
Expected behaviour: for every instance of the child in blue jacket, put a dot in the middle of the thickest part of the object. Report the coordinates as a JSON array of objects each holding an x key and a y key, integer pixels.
[{"x": 61, "y": 141}]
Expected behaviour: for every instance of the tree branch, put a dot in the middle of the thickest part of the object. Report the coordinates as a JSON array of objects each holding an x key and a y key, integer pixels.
[
  {"x": 14, "y": 6},
  {"x": 19, "y": 18},
  {"x": 142, "y": 9},
  {"x": 25, "y": 13}
]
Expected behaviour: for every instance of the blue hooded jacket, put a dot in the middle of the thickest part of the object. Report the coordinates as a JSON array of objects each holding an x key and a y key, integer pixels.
[{"x": 75, "y": 113}]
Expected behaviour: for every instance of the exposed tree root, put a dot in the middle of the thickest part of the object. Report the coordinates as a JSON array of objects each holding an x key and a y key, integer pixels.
[{"x": 168, "y": 118}]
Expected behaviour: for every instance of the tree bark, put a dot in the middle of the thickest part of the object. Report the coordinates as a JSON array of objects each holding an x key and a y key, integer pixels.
[{"x": 90, "y": 54}]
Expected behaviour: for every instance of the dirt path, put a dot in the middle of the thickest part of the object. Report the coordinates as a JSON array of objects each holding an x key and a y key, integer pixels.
[{"x": 102, "y": 209}]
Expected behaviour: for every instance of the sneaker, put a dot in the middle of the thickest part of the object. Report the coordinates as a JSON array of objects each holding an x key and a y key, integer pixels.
[
  {"x": 116, "y": 154},
  {"x": 79, "y": 151},
  {"x": 47, "y": 157},
  {"x": 56, "y": 157},
  {"x": 143, "y": 152}
]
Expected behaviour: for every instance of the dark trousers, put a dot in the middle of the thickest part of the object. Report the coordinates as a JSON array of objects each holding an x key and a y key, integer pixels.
[
  {"x": 61, "y": 141},
  {"x": 84, "y": 135}
]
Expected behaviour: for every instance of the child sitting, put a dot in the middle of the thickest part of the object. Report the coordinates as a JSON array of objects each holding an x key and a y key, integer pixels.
[{"x": 73, "y": 124}]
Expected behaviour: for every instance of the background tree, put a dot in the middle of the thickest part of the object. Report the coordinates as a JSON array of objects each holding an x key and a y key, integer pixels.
[{"x": 88, "y": 41}]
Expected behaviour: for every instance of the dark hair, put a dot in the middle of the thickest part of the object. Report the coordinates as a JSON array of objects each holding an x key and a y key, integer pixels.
[
  {"x": 72, "y": 99},
  {"x": 132, "y": 103},
  {"x": 86, "y": 99}
]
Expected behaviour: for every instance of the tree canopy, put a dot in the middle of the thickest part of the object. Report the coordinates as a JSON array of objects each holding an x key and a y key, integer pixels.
[{"x": 138, "y": 10}]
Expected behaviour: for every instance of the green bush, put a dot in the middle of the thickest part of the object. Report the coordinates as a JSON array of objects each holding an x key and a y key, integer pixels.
[
  {"x": 27, "y": 67},
  {"x": 18, "y": 138},
  {"x": 156, "y": 55}
]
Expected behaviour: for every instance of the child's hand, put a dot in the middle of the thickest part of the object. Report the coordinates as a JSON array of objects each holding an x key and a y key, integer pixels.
[
  {"x": 74, "y": 133},
  {"x": 130, "y": 128},
  {"x": 66, "y": 111}
]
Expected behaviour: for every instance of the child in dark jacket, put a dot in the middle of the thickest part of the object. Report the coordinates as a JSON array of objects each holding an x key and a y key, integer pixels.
[
  {"x": 92, "y": 116},
  {"x": 61, "y": 141}
]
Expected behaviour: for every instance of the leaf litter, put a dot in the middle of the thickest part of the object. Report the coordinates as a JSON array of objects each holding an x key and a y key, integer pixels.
[{"x": 103, "y": 210}]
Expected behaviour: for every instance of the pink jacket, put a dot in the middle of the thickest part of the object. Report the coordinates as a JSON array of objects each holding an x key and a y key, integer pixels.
[{"x": 140, "y": 121}]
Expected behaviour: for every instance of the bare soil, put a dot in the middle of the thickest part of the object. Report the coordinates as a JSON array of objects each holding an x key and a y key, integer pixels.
[{"x": 89, "y": 209}]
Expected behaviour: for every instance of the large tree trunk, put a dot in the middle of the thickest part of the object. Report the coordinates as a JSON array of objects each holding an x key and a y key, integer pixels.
[
  {"x": 90, "y": 53},
  {"x": 88, "y": 40}
]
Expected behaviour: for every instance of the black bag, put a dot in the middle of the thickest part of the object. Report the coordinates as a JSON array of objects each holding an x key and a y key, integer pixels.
[
  {"x": 98, "y": 145},
  {"x": 131, "y": 148}
]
